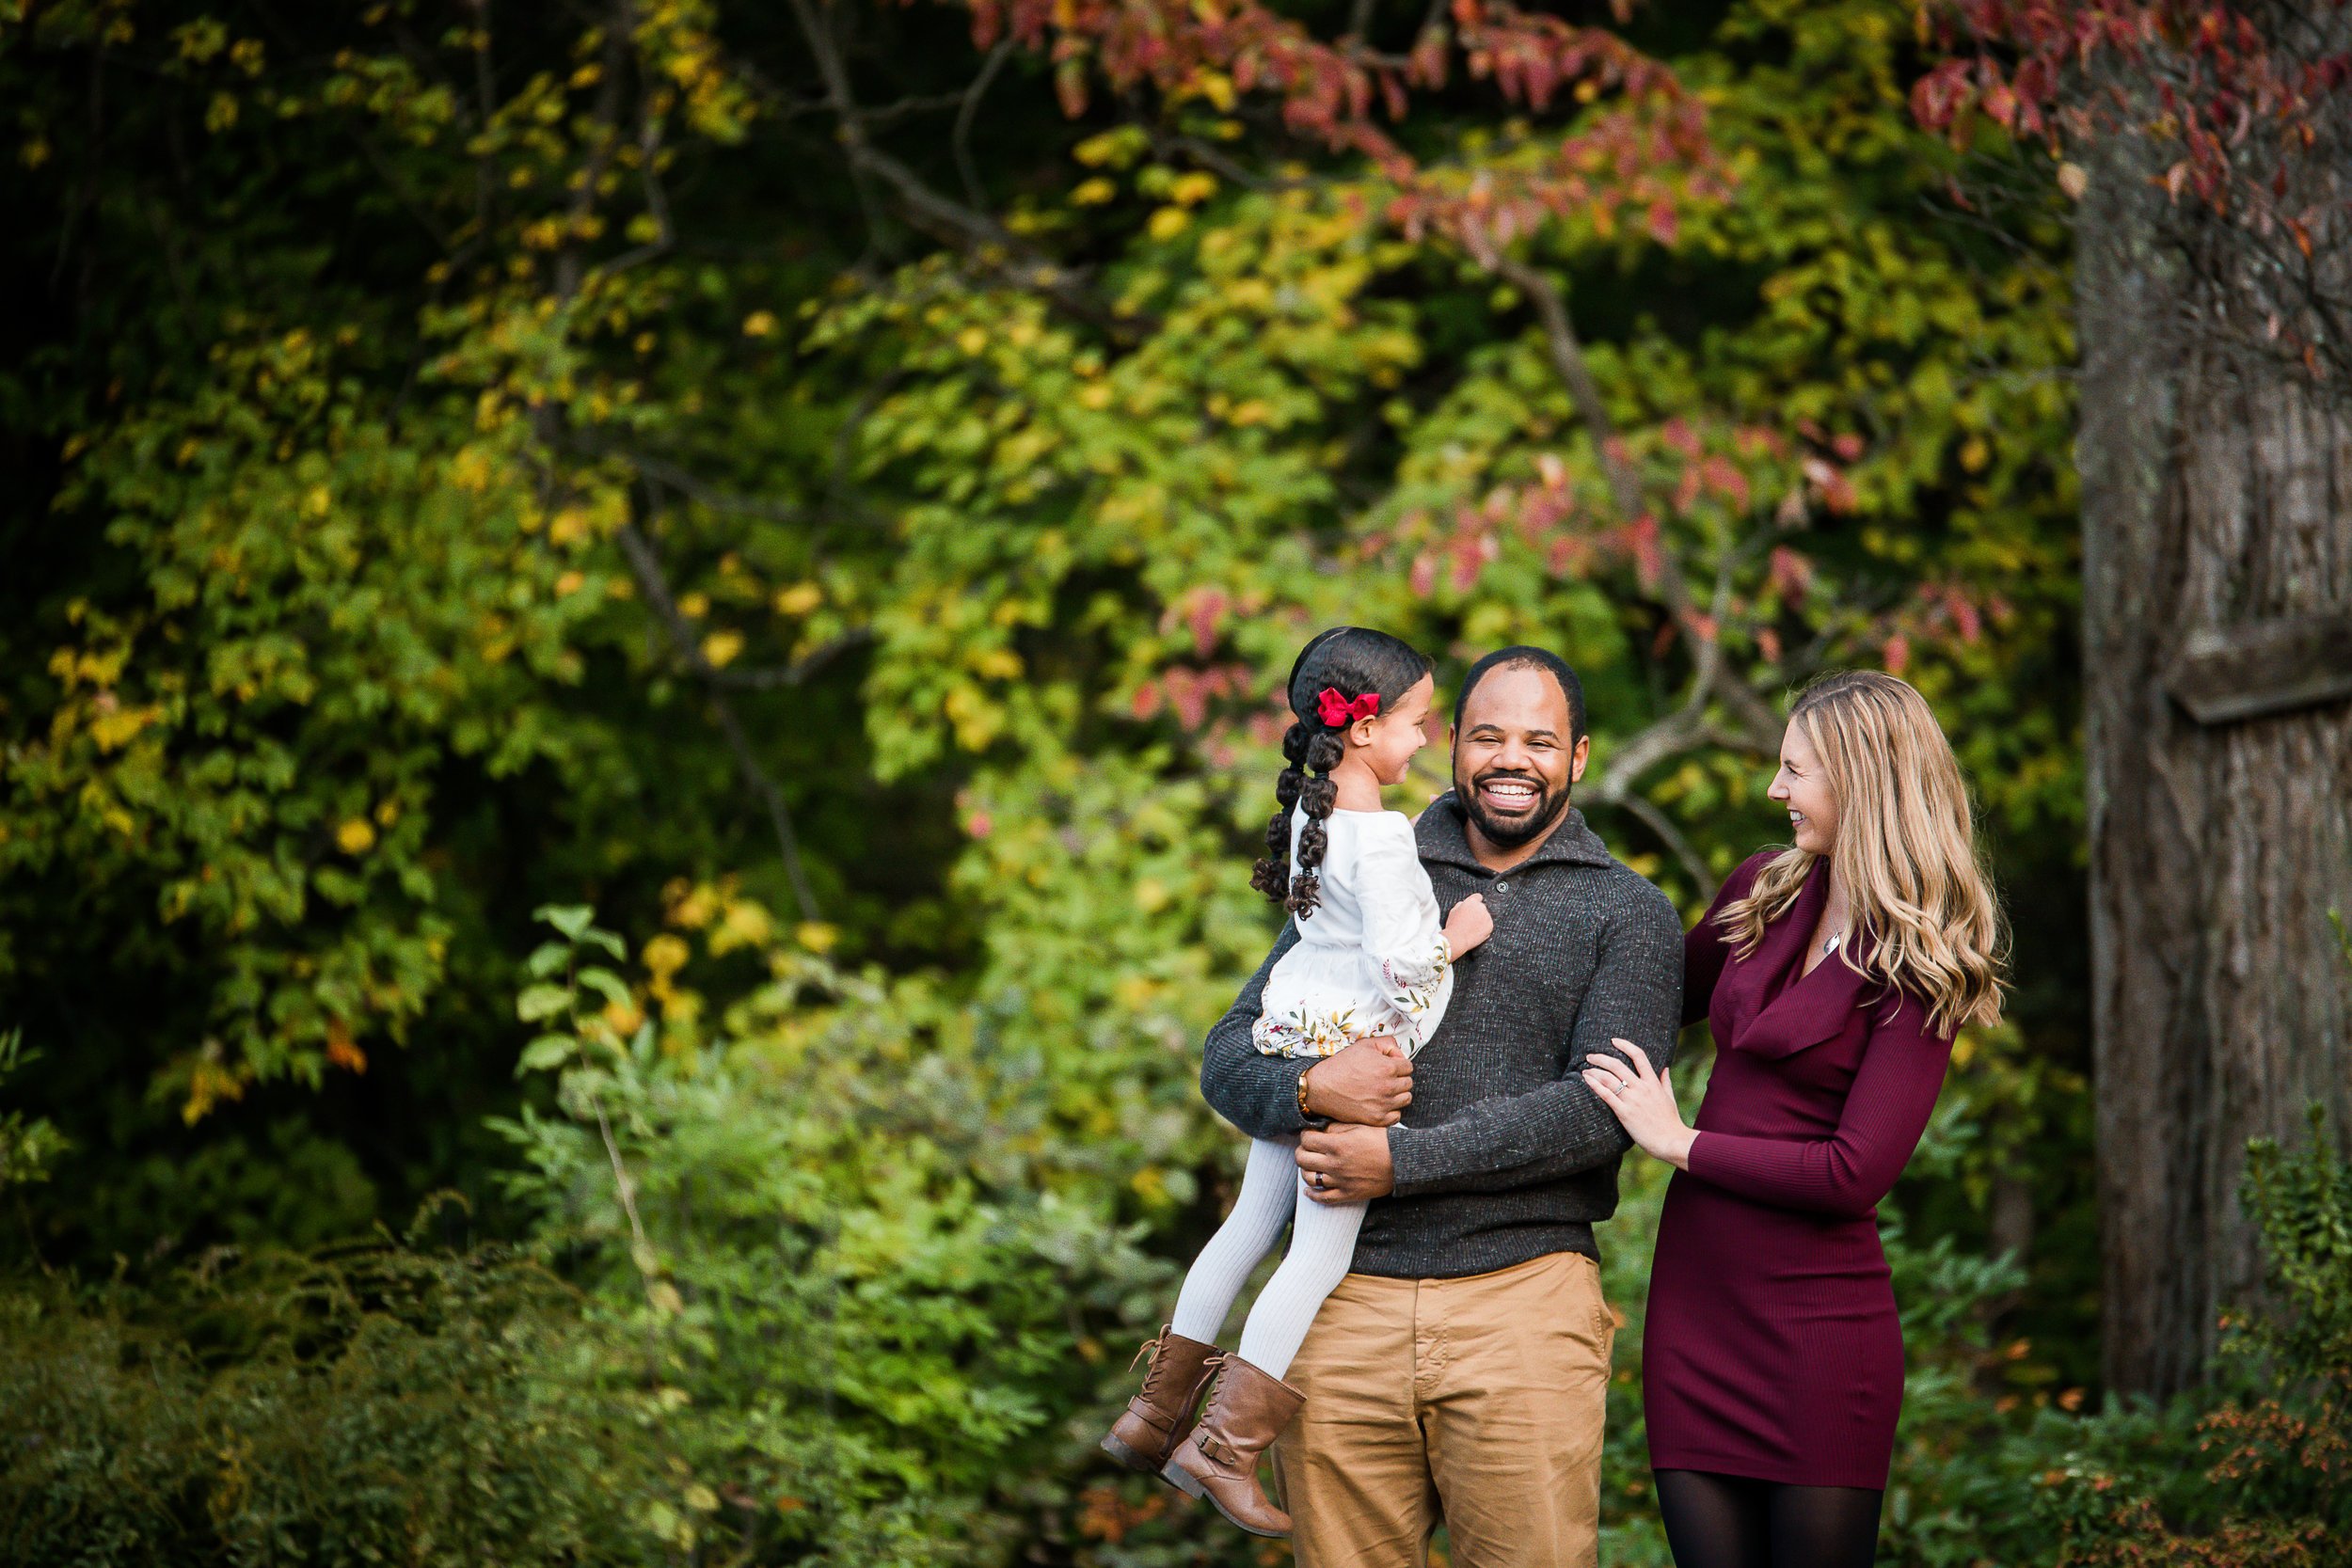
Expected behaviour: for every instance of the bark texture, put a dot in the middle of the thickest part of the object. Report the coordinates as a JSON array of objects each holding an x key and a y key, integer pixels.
[{"x": 2216, "y": 492}]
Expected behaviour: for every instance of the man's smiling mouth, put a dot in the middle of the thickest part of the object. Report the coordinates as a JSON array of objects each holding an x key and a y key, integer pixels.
[{"x": 1509, "y": 794}]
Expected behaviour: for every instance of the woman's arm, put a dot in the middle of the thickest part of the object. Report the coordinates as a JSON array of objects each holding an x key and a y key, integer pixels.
[{"x": 1849, "y": 1172}]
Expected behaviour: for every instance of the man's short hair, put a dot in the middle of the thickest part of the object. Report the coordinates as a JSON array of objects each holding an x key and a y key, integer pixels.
[{"x": 1522, "y": 657}]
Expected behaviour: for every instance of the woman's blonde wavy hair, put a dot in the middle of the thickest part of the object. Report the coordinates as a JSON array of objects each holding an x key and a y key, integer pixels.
[{"x": 1905, "y": 851}]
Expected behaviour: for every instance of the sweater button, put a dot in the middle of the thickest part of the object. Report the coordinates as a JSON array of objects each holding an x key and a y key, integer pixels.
[{"x": 1502, "y": 887}]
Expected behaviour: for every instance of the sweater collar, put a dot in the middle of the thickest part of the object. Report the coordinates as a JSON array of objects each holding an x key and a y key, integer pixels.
[{"x": 1443, "y": 834}]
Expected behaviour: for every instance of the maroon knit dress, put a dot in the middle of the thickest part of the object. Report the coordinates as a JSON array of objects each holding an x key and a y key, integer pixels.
[{"x": 1772, "y": 1348}]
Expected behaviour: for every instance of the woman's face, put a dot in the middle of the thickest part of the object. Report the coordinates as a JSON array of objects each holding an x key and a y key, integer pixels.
[
  {"x": 1391, "y": 739},
  {"x": 1801, "y": 785}
]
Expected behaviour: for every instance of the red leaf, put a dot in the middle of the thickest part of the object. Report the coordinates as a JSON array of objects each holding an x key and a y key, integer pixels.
[
  {"x": 1663, "y": 223},
  {"x": 1791, "y": 573}
]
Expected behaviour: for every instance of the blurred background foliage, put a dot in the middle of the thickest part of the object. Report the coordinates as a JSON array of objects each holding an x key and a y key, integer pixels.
[{"x": 482, "y": 464}]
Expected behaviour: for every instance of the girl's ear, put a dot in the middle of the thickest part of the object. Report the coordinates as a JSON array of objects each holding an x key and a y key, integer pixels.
[{"x": 1359, "y": 732}]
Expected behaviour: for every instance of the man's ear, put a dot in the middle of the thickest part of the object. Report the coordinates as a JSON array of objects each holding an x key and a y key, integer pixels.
[{"x": 1578, "y": 758}]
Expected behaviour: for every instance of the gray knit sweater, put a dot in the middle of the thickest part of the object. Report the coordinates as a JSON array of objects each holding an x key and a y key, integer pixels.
[{"x": 1503, "y": 1155}]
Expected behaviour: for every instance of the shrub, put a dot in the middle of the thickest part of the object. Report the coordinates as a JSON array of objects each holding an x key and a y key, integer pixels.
[{"x": 369, "y": 1404}]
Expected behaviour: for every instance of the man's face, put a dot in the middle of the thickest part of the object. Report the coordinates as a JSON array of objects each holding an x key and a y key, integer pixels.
[{"x": 1513, "y": 758}]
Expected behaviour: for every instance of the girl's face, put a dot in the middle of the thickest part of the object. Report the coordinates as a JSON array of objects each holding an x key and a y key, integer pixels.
[
  {"x": 1801, "y": 786},
  {"x": 1390, "y": 739}
]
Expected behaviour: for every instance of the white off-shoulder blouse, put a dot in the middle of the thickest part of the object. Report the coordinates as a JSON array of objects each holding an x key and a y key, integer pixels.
[{"x": 1371, "y": 959}]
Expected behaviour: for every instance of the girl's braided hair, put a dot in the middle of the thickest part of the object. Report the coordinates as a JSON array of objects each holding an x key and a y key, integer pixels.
[{"x": 1352, "y": 660}]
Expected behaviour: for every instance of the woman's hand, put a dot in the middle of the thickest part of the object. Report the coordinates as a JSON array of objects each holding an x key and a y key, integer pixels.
[
  {"x": 1468, "y": 924},
  {"x": 1643, "y": 1101}
]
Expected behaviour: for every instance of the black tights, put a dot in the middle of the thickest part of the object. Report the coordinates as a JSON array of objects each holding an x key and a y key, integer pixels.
[{"x": 1734, "y": 1522}]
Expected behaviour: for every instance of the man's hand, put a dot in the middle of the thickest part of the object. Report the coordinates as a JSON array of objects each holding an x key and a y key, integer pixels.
[
  {"x": 1346, "y": 1163},
  {"x": 1370, "y": 1082}
]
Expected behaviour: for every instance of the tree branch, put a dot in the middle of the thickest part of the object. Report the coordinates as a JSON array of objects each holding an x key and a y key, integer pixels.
[
  {"x": 1755, "y": 715},
  {"x": 645, "y": 564},
  {"x": 960, "y": 138}
]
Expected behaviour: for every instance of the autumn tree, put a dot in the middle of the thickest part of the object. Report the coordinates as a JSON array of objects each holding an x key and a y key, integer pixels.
[{"x": 2208, "y": 149}]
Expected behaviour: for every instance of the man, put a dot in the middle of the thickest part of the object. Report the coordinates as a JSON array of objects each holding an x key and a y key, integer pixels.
[{"x": 1460, "y": 1371}]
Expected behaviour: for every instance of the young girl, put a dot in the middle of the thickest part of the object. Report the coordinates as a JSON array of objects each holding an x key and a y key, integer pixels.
[{"x": 1373, "y": 958}]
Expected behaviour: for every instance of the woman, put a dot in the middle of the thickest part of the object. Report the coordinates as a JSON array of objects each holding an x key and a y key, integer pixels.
[{"x": 1834, "y": 974}]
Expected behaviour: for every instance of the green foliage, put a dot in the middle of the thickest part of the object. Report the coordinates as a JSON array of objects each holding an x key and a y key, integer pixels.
[
  {"x": 499, "y": 468},
  {"x": 837, "y": 1239},
  {"x": 2252, "y": 1469},
  {"x": 27, "y": 1145},
  {"x": 374, "y": 1403}
]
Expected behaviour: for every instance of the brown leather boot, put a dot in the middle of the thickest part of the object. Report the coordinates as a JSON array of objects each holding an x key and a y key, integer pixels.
[
  {"x": 1247, "y": 1410},
  {"x": 1162, "y": 1415}
]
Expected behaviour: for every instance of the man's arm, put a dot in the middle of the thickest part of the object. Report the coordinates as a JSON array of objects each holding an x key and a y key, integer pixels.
[
  {"x": 1256, "y": 1092},
  {"x": 1509, "y": 1141},
  {"x": 1370, "y": 1082}
]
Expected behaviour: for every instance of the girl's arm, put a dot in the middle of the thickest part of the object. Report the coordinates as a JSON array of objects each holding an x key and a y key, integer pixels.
[
  {"x": 1402, "y": 932},
  {"x": 1887, "y": 1109}
]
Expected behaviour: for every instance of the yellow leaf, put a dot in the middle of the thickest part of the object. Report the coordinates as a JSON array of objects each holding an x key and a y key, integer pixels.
[
  {"x": 742, "y": 923},
  {"x": 702, "y": 1500},
  {"x": 720, "y": 648},
  {"x": 816, "y": 936},
  {"x": 1168, "y": 223},
  {"x": 760, "y": 323},
  {"x": 112, "y": 731},
  {"x": 341, "y": 1050},
  {"x": 799, "y": 599},
  {"x": 356, "y": 836},
  {"x": 1190, "y": 190},
  {"x": 972, "y": 340},
  {"x": 209, "y": 1083},
  {"x": 1094, "y": 192}
]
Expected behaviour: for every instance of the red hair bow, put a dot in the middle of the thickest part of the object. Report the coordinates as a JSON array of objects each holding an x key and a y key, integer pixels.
[{"x": 1337, "y": 709}]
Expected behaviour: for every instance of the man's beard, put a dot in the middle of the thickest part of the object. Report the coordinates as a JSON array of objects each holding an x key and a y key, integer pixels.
[{"x": 1509, "y": 832}]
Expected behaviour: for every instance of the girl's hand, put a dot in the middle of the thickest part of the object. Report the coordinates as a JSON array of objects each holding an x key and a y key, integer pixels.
[
  {"x": 1643, "y": 1101},
  {"x": 1470, "y": 923}
]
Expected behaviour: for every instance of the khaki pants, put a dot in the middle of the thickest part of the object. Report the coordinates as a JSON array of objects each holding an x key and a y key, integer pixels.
[{"x": 1477, "y": 1402}]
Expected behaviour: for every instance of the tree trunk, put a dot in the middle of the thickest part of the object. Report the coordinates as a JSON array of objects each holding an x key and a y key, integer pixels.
[{"x": 2216, "y": 497}]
